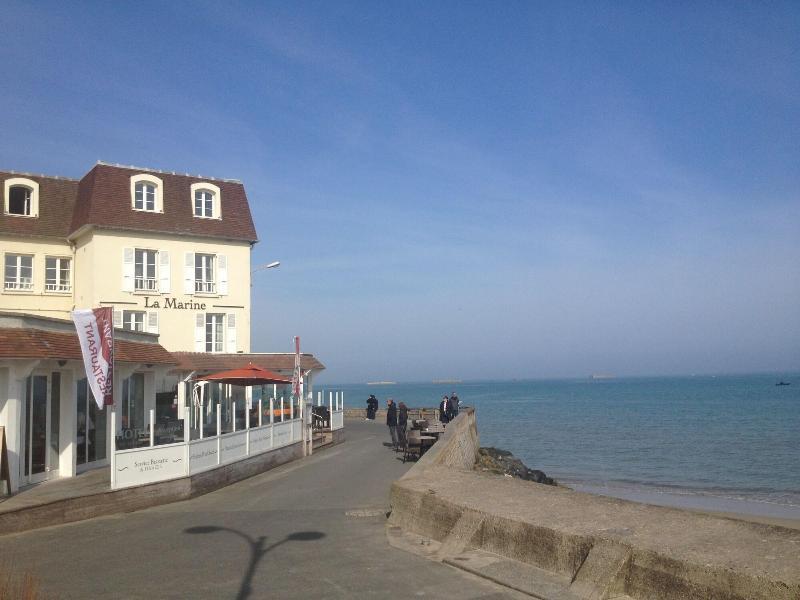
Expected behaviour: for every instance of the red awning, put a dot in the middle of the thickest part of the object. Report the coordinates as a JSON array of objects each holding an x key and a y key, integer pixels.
[{"x": 249, "y": 375}]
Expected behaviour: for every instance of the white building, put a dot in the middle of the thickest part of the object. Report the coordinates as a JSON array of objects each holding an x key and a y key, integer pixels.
[{"x": 171, "y": 254}]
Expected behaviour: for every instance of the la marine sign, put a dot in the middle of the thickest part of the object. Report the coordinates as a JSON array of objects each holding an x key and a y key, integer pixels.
[{"x": 174, "y": 303}]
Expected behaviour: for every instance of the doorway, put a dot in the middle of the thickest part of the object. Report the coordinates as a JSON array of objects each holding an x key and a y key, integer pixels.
[{"x": 40, "y": 452}]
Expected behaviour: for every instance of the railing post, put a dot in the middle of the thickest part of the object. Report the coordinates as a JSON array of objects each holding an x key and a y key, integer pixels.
[
  {"x": 330, "y": 412},
  {"x": 152, "y": 427},
  {"x": 247, "y": 427},
  {"x": 202, "y": 420},
  {"x": 271, "y": 423},
  {"x": 291, "y": 409},
  {"x": 281, "y": 409},
  {"x": 113, "y": 448},
  {"x": 187, "y": 450},
  {"x": 233, "y": 406},
  {"x": 260, "y": 411},
  {"x": 219, "y": 440}
]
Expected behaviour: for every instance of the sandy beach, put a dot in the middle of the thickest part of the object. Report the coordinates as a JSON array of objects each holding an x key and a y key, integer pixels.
[
  {"x": 765, "y": 520},
  {"x": 767, "y": 513}
]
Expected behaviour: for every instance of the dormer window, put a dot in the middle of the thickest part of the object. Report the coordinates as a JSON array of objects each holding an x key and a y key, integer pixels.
[
  {"x": 19, "y": 200},
  {"x": 145, "y": 198},
  {"x": 206, "y": 201},
  {"x": 147, "y": 193},
  {"x": 21, "y": 197}
]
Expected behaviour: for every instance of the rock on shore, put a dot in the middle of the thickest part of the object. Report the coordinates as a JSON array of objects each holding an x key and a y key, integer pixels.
[{"x": 502, "y": 462}]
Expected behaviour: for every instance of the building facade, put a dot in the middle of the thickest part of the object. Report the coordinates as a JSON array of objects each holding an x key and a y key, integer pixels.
[
  {"x": 155, "y": 246},
  {"x": 170, "y": 253}
]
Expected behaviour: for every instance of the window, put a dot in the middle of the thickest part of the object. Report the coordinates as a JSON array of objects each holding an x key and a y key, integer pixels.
[
  {"x": 205, "y": 200},
  {"x": 19, "y": 201},
  {"x": 21, "y": 197},
  {"x": 90, "y": 426},
  {"x": 57, "y": 274},
  {"x": 145, "y": 198},
  {"x": 204, "y": 274},
  {"x": 214, "y": 332},
  {"x": 133, "y": 320},
  {"x": 203, "y": 204},
  {"x": 19, "y": 272},
  {"x": 146, "y": 193},
  {"x": 145, "y": 271},
  {"x": 132, "y": 416}
]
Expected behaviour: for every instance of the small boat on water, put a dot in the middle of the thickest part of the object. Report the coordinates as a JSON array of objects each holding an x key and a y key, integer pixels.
[{"x": 783, "y": 383}]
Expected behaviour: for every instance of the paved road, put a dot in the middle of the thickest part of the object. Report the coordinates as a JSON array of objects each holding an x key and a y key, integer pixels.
[{"x": 303, "y": 530}]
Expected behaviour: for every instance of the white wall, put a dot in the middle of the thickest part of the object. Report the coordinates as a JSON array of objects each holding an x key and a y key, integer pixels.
[
  {"x": 35, "y": 301},
  {"x": 99, "y": 263}
]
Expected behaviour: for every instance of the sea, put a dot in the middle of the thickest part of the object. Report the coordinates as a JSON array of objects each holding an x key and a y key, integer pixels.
[{"x": 719, "y": 443}]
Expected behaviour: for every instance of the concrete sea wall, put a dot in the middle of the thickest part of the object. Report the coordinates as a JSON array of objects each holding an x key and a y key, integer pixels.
[{"x": 595, "y": 547}]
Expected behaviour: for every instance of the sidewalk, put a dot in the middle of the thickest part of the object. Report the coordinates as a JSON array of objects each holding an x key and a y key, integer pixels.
[
  {"x": 91, "y": 482},
  {"x": 313, "y": 528},
  {"x": 89, "y": 494}
]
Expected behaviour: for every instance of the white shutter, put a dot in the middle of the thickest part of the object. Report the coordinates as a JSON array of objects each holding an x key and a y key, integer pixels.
[
  {"x": 152, "y": 322},
  {"x": 163, "y": 272},
  {"x": 118, "y": 319},
  {"x": 230, "y": 337},
  {"x": 200, "y": 332},
  {"x": 128, "y": 258},
  {"x": 188, "y": 274},
  {"x": 222, "y": 272}
]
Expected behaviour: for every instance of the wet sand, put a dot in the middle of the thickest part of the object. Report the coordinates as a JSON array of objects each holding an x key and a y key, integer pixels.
[
  {"x": 765, "y": 520},
  {"x": 782, "y": 515}
]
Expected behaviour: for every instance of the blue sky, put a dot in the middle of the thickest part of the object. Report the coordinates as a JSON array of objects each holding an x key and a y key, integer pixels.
[{"x": 466, "y": 189}]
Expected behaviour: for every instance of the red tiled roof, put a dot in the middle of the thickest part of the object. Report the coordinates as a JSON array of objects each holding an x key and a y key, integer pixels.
[
  {"x": 56, "y": 205},
  {"x": 57, "y": 345},
  {"x": 104, "y": 199},
  {"x": 206, "y": 361}
]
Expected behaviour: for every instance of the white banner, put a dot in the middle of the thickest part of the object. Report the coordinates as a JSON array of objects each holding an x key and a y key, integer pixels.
[{"x": 95, "y": 329}]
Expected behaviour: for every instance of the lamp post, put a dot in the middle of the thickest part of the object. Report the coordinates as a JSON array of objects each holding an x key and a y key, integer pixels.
[
  {"x": 274, "y": 264},
  {"x": 271, "y": 265}
]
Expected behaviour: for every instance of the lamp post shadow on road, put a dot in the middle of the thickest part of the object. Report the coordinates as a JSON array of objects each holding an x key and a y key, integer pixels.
[{"x": 257, "y": 549}]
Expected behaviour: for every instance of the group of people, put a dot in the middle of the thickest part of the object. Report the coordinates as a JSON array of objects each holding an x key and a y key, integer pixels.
[
  {"x": 397, "y": 415},
  {"x": 448, "y": 408},
  {"x": 397, "y": 421}
]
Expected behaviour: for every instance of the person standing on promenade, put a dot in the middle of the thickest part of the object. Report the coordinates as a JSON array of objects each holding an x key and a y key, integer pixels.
[
  {"x": 372, "y": 407},
  {"x": 454, "y": 404},
  {"x": 402, "y": 422},
  {"x": 391, "y": 420},
  {"x": 444, "y": 409}
]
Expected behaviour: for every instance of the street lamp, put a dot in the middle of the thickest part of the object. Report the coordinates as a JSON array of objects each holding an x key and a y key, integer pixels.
[{"x": 271, "y": 265}]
